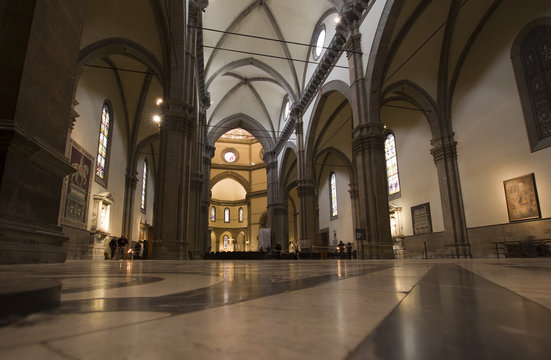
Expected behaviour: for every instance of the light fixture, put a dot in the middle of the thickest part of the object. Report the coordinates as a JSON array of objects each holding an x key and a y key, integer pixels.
[
  {"x": 158, "y": 101},
  {"x": 157, "y": 118},
  {"x": 338, "y": 20}
]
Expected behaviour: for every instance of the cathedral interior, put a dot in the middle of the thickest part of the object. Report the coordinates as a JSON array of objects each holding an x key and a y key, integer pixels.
[{"x": 295, "y": 179}]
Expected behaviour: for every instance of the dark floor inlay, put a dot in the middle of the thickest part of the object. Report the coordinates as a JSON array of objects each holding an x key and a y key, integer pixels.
[
  {"x": 240, "y": 289},
  {"x": 454, "y": 314}
]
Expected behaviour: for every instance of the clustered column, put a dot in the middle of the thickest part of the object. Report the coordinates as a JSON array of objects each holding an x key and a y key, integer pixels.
[
  {"x": 444, "y": 152},
  {"x": 369, "y": 159}
]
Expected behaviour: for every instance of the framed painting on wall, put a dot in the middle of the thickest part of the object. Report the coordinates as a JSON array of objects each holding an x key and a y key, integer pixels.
[{"x": 522, "y": 198}]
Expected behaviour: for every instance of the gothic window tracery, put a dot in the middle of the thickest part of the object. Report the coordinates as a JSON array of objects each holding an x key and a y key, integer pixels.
[
  {"x": 392, "y": 167},
  {"x": 333, "y": 195},
  {"x": 102, "y": 159},
  {"x": 144, "y": 185}
]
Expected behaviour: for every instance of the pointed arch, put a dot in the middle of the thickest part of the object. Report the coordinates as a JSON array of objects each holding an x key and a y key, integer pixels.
[
  {"x": 243, "y": 121},
  {"x": 120, "y": 46}
]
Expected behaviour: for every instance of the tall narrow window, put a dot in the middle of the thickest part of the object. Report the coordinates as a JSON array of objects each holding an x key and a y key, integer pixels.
[
  {"x": 333, "y": 195},
  {"x": 241, "y": 214},
  {"x": 226, "y": 242},
  {"x": 227, "y": 215},
  {"x": 532, "y": 60},
  {"x": 213, "y": 214},
  {"x": 392, "y": 167},
  {"x": 144, "y": 185},
  {"x": 102, "y": 161}
]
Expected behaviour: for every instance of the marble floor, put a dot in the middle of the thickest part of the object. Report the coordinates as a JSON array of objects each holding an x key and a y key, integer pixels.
[{"x": 332, "y": 309}]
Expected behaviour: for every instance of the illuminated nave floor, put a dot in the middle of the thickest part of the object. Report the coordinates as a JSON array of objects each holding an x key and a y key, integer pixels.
[{"x": 333, "y": 309}]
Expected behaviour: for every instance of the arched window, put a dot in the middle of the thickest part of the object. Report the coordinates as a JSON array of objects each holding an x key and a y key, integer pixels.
[
  {"x": 392, "y": 167},
  {"x": 213, "y": 214},
  {"x": 144, "y": 185},
  {"x": 241, "y": 214},
  {"x": 226, "y": 242},
  {"x": 333, "y": 195},
  {"x": 531, "y": 58},
  {"x": 227, "y": 215},
  {"x": 104, "y": 144}
]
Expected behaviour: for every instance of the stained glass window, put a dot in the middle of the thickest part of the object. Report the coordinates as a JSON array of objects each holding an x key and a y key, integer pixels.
[
  {"x": 230, "y": 156},
  {"x": 144, "y": 184},
  {"x": 536, "y": 60},
  {"x": 226, "y": 242},
  {"x": 213, "y": 214},
  {"x": 227, "y": 215},
  {"x": 391, "y": 165},
  {"x": 241, "y": 213},
  {"x": 103, "y": 145},
  {"x": 333, "y": 194}
]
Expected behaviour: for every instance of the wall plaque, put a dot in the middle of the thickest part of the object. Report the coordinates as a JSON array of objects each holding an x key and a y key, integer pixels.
[{"x": 420, "y": 218}]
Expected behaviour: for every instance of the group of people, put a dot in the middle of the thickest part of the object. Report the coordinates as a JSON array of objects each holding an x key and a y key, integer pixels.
[
  {"x": 341, "y": 247},
  {"x": 117, "y": 249}
]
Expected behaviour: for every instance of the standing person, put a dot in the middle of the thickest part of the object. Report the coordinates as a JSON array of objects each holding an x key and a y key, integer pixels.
[
  {"x": 278, "y": 250},
  {"x": 349, "y": 250},
  {"x": 341, "y": 250},
  {"x": 122, "y": 242},
  {"x": 113, "y": 246}
]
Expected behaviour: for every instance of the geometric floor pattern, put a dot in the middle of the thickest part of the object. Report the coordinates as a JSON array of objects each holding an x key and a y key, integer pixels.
[{"x": 287, "y": 309}]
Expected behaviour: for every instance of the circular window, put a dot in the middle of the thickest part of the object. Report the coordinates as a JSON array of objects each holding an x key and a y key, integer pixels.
[
  {"x": 230, "y": 155},
  {"x": 319, "y": 43},
  {"x": 287, "y": 110}
]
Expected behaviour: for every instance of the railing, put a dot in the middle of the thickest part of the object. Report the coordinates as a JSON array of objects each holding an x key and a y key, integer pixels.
[{"x": 523, "y": 248}]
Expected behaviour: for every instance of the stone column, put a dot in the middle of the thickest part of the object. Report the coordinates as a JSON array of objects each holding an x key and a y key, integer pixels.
[
  {"x": 130, "y": 185},
  {"x": 208, "y": 154},
  {"x": 369, "y": 159},
  {"x": 40, "y": 41},
  {"x": 444, "y": 151},
  {"x": 306, "y": 194},
  {"x": 177, "y": 139},
  {"x": 174, "y": 185},
  {"x": 275, "y": 205}
]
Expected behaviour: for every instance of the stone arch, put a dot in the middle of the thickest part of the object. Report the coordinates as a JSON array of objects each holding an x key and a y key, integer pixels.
[
  {"x": 231, "y": 175},
  {"x": 243, "y": 121},
  {"x": 406, "y": 90},
  {"x": 335, "y": 86},
  {"x": 120, "y": 46},
  {"x": 342, "y": 157}
]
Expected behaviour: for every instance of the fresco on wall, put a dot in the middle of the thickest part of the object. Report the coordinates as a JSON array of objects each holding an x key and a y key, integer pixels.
[
  {"x": 522, "y": 198},
  {"x": 78, "y": 186}
]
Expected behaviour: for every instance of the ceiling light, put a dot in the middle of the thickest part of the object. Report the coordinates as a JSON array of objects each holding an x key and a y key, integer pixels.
[
  {"x": 157, "y": 118},
  {"x": 158, "y": 101},
  {"x": 338, "y": 20}
]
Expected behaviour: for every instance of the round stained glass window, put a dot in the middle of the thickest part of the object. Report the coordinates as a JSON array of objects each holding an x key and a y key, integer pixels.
[
  {"x": 230, "y": 156},
  {"x": 320, "y": 42},
  {"x": 287, "y": 110}
]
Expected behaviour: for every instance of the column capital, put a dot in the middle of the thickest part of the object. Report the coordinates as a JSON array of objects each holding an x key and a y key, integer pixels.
[
  {"x": 443, "y": 148},
  {"x": 354, "y": 45},
  {"x": 368, "y": 136},
  {"x": 306, "y": 188},
  {"x": 131, "y": 179}
]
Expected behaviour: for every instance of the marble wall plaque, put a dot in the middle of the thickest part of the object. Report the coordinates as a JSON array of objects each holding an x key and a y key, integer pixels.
[{"x": 420, "y": 217}]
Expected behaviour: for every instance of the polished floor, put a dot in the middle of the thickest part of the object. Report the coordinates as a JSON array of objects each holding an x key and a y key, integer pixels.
[{"x": 333, "y": 309}]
